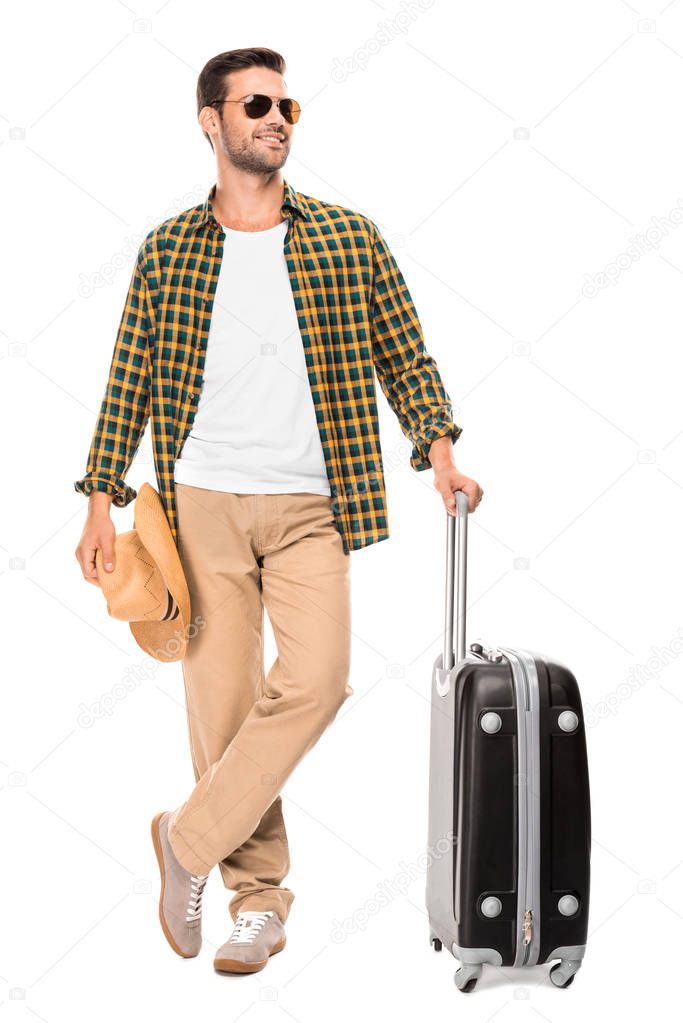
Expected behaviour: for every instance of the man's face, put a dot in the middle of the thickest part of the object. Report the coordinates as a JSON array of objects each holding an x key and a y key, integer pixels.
[{"x": 243, "y": 139}]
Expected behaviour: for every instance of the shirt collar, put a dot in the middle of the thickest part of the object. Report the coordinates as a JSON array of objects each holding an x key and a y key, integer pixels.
[{"x": 291, "y": 200}]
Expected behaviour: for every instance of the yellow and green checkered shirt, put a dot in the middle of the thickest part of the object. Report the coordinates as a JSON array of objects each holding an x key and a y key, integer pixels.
[{"x": 355, "y": 316}]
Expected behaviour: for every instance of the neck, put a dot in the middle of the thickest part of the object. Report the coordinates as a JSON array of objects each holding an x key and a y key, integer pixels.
[{"x": 248, "y": 202}]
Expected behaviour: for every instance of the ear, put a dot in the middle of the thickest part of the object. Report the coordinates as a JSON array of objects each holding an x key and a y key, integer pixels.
[{"x": 207, "y": 120}]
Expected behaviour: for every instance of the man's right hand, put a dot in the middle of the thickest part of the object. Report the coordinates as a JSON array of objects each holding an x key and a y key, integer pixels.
[{"x": 98, "y": 533}]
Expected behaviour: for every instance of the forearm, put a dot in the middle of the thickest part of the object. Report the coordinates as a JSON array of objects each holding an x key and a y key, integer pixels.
[
  {"x": 441, "y": 454},
  {"x": 407, "y": 372},
  {"x": 125, "y": 408},
  {"x": 99, "y": 502}
]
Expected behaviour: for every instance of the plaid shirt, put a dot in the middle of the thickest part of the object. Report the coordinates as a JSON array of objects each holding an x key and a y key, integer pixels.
[{"x": 355, "y": 316}]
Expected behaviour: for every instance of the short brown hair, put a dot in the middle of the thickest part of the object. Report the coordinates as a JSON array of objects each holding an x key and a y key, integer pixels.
[{"x": 213, "y": 83}]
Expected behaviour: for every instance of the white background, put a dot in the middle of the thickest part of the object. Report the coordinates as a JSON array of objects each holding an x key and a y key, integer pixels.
[{"x": 509, "y": 153}]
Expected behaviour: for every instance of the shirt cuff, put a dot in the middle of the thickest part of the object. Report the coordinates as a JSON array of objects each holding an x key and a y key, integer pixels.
[
  {"x": 419, "y": 457},
  {"x": 122, "y": 493}
]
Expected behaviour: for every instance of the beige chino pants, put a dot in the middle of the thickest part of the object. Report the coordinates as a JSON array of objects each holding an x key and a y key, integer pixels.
[{"x": 242, "y": 553}]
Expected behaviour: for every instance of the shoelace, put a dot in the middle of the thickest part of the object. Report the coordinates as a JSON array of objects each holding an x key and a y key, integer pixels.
[
  {"x": 194, "y": 903},
  {"x": 247, "y": 925}
]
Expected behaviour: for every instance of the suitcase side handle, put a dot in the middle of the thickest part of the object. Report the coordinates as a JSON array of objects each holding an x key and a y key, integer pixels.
[{"x": 456, "y": 578}]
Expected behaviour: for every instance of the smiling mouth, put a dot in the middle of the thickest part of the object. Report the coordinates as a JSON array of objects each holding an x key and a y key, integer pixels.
[{"x": 271, "y": 140}]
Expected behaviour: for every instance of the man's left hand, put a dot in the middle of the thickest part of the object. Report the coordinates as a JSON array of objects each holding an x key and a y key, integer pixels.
[{"x": 448, "y": 480}]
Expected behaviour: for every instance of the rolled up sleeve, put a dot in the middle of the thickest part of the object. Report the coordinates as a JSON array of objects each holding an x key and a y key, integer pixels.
[
  {"x": 124, "y": 411},
  {"x": 407, "y": 373}
]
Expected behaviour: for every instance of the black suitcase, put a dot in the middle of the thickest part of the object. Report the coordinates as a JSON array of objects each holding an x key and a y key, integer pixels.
[{"x": 509, "y": 804}]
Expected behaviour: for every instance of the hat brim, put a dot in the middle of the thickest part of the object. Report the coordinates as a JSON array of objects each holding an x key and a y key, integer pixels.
[{"x": 166, "y": 641}]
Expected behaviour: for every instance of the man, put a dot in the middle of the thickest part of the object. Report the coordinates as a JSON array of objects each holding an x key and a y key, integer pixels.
[{"x": 252, "y": 330}]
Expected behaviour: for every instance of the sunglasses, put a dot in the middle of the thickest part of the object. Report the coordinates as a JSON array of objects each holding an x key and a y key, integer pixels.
[{"x": 258, "y": 106}]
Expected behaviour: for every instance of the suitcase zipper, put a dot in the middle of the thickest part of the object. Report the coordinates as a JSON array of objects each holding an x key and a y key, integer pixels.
[
  {"x": 528, "y": 935},
  {"x": 526, "y": 696}
]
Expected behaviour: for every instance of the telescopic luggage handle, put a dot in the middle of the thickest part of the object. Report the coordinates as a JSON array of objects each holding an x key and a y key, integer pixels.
[{"x": 456, "y": 553}]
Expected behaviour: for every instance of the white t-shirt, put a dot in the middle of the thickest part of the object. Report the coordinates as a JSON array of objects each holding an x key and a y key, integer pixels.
[{"x": 255, "y": 429}]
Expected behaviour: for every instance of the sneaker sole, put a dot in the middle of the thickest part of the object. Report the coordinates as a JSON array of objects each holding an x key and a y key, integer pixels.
[
  {"x": 162, "y": 870},
  {"x": 237, "y": 966}
]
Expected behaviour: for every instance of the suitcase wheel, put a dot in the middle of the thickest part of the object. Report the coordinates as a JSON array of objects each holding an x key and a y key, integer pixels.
[
  {"x": 436, "y": 942},
  {"x": 467, "y": 976},
  {"x": 563, "y": 973}
]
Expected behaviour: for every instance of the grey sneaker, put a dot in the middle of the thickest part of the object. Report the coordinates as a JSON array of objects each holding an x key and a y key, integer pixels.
[
  {"x": 180, "y": 904},
  {"x": 256, "y": 937}
]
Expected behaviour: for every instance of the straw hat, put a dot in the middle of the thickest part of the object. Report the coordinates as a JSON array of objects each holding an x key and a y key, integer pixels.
[{"x": 147, "y": 587}]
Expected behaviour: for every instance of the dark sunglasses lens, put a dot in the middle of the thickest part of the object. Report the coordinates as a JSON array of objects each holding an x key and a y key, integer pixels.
[
  {"x": 257, "y": 106},
  {"x": 290, "y": 110}
]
